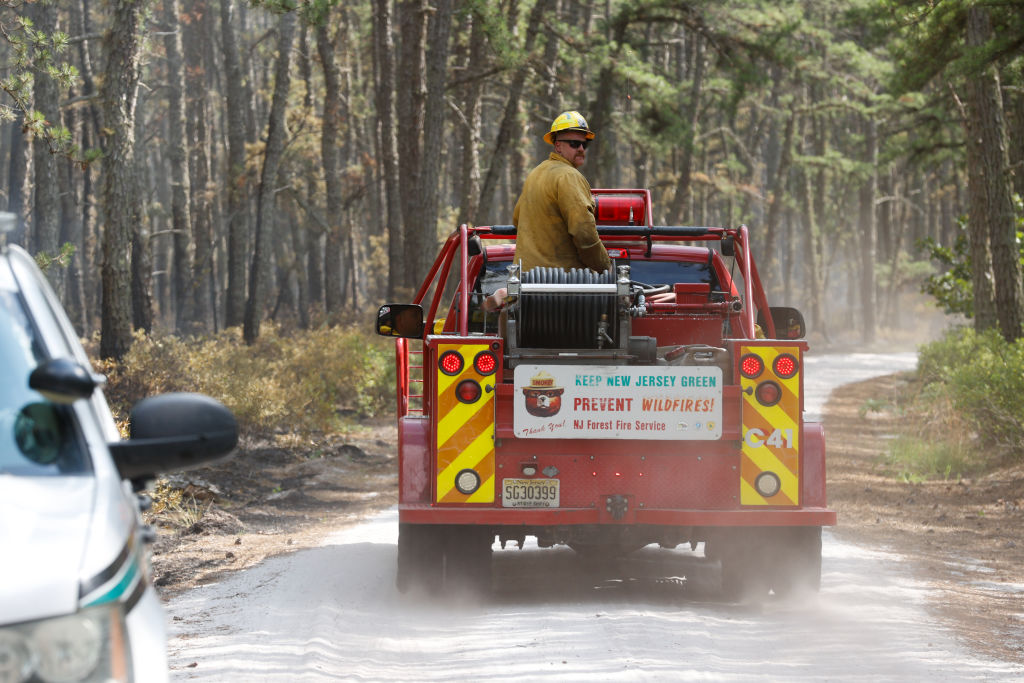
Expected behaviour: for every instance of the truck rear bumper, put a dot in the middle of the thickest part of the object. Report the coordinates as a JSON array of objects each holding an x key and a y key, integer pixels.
[{"x": 428, "y": 514}]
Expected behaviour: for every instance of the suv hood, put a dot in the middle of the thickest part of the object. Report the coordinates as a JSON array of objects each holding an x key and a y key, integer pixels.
[{"x": 44, "y": 526}]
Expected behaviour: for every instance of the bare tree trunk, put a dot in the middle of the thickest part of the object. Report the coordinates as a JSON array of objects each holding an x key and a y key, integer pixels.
[
  {"x": 410, "y": 106},
  {"x": 90, "y": 254},
  {"x": 433, "y": 139},
  {"x": 385, "y": 95},
  {"x": 198, "y": 135},
  {"x": 329, "y": 136},
  {"x": 603, "y": 159},
  {"x": 237, "y": 206},
  {"x": 46, "y": 207},
  {"x": 121, "y": 205},
  {"x": 308, "y": 261},
  {"x": 1014, "y": 110},
  {"x": 142, "y": 280},
  {"x": 866, "y": 231},
  {"x": 177, "y": 154},
  {"x": 809, "y": 259},
  {"x": 17, "y": 170},
  {"x": 819, "y": 193},
  {"x": 992, "y": 215},
  {"x": 71, "y": 233},
  {"x": 777, "y": 193},
  {"x": 681, "y": 211},
  {"x": 356, "y": 145},
  {"x": 299, "y": 235},
  {"x": 469, "y": 130},
  {"x": 259, "y": 281}
]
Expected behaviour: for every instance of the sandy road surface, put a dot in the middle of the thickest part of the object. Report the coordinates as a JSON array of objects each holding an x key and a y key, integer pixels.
[{"x": 332, "y": 613}]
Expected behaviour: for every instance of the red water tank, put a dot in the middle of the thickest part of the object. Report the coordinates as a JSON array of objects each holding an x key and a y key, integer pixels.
[{"x": 621, "y": 209}]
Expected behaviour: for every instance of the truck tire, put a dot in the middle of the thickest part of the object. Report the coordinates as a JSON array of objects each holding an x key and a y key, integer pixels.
[
  {"x": 756, "y": 560},
  {"x": 741, "y": 555},
  {"x": 743, "y": 578},
  {"x": 467, "y": 560},
  {"x": 797, "y": 563},
  {"x": 420, "y": 558}
]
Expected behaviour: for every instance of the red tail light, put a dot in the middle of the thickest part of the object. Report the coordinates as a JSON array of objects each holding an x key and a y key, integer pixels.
[
  {"x": 468, "y": 391},
  {"x": 485, "y": 363},
  {"x": 785, "y": 365},
  {"x": 751, "y": 366},
  {"x": 768, "y": 393},
  {"x": 450, "y": 362}
]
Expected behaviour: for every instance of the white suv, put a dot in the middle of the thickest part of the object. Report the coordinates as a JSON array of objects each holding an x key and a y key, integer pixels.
[{"x": 76, "y": 602}]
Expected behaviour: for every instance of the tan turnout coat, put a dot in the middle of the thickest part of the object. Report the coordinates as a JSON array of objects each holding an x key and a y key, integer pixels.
[{"x": 554, "y": 218}]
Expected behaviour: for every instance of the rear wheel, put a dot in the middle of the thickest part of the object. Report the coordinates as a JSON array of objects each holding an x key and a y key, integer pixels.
[
  {"x": 467, "y": 560},
  {"x": 420, "y": 558},
  {"x": 797, "y": 562},
  {"x": 740, "y": 552},
  {"x": 449, "y": 559},
  {"x": 757, "y": 560}
]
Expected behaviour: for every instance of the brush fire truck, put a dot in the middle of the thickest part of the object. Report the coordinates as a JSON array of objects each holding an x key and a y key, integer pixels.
[{"x": 660, "y": 402}]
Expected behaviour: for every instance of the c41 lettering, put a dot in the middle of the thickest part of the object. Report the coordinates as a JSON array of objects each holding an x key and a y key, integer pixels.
[{"x": 779, "y": 438}]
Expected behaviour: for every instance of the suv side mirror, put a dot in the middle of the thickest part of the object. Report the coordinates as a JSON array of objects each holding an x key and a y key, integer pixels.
[
  {"x": 62, "y": 380},
  {"x": 400, "y": 320},
  {"x": 789, "y": 322},
  {"x": 174, "y": 432}
]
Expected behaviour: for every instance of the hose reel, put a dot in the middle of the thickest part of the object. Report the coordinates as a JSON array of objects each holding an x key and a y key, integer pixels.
[{"x": 566, "y": 315}]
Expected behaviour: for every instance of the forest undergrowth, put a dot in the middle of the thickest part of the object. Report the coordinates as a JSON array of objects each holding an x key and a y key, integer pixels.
[
  {"x": 296, "y": 381},
  {"x": 963, "y": 410}
]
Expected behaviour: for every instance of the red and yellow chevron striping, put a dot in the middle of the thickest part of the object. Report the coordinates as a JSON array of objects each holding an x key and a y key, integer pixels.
[
  {"x": 465, "y": 431},
  {"x": 771, "y": 433}
]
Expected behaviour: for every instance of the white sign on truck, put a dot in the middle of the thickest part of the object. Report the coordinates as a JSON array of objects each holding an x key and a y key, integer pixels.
[{"x": 618, "y": 402}]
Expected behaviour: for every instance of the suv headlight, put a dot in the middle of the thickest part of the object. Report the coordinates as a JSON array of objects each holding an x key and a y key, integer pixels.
[{"x": 90, "y": 645}]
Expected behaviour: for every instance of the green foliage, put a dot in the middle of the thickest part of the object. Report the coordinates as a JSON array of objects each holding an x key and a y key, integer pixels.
[
  {"x": 952, "y": 287},
  {"x": 874, "y": 405},
  {"x": 307, "y": 381},
  {"x": 915, "y": 459},
  {"x": 62, "y": 259},
  {"x": 982, "y": 376},
  {"x": 35, "y": 55}
]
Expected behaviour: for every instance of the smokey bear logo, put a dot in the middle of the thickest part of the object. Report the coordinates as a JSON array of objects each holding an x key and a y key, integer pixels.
[{"x": 543, "y": 398}]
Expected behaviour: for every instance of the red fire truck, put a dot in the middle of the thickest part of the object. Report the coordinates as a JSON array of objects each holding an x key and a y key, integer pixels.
[{"x": 659, "y": 403}]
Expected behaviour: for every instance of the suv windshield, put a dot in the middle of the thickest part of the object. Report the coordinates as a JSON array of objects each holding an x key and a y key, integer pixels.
[{"x": 36, "y": 437}]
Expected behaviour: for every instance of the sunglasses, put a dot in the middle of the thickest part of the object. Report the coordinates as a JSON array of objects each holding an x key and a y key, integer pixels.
[{"x": 576, "y": 144}]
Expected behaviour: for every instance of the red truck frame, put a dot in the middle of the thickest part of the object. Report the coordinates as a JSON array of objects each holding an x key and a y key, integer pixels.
[{"x": 660, "y": 402}]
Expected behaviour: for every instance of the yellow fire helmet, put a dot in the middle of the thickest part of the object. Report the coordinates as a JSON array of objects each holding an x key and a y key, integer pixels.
[{"x": 568, "y": 120}]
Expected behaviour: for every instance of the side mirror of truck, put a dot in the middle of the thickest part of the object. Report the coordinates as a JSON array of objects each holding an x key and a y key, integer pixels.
[
  {"x": 789, "y": 322},
  {"x": 400, "y": 320}
]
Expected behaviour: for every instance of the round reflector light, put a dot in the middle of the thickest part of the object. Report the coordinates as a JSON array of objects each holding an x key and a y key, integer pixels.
[
  {"x": 751, "y": 366},
  {"x": 467, "y": 482},
  {"x": 450, "y": 362},
  {"x": 485, "y": 363},
  {"x": 785, "y": 365},
  {"x": 768, "y": 484},
  {"x": 768, "y": 393},
  {"x": 468, "y": 391}
]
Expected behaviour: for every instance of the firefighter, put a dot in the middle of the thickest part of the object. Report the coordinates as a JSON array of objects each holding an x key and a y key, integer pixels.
[{"x": 554, "y": 216}]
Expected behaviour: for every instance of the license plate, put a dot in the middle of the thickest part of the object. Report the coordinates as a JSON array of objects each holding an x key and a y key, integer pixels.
[{"x": 529, "y": 493}]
